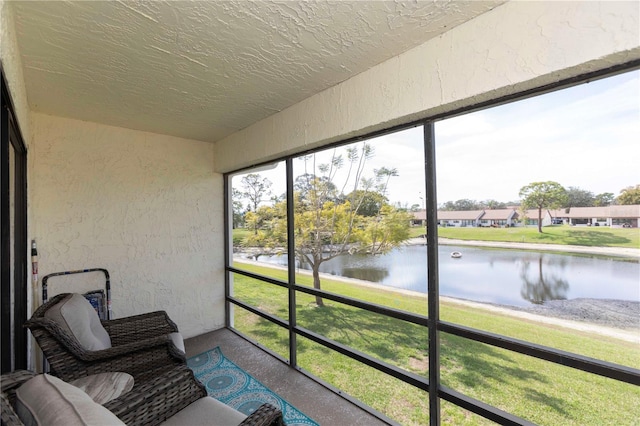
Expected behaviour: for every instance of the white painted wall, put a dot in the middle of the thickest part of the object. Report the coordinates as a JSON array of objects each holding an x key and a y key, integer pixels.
[
  {"x": 146, "y": 207},
  {"x": 517, "y": 46}
]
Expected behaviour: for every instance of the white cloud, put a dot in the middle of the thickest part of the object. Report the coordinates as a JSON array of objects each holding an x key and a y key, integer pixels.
[{"x": 586, "y": 136}]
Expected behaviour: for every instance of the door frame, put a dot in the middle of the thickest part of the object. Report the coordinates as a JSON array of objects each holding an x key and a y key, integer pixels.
[{"x": 13, "y": 334}]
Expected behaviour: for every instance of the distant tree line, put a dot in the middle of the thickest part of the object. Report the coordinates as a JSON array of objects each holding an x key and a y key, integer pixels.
[{"x": 575, "y": 197}]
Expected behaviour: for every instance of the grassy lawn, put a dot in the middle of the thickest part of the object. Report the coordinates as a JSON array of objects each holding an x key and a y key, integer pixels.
[
  {"x": 538, "y": 391},
  {"x": 240, "y": 234},
  {"x": 556, "y": 234}
]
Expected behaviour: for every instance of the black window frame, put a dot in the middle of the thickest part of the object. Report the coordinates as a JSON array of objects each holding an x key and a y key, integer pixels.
[{"x": 432, "y": 321}]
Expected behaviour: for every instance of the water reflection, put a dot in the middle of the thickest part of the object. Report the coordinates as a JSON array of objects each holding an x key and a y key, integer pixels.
[
  {"x": 508, "y": 277},
  {"x": 538, "y": 287},
  {"x": 375, "y": 275},
  {"x": 369, "y": 273}
]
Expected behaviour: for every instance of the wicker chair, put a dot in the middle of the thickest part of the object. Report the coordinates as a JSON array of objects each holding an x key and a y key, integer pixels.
[
  {"x": 140, "y": 346},
  {"x": 150, "y": 404}
]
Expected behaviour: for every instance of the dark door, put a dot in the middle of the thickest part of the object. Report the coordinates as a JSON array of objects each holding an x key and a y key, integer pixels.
[{"x": 13, "y": 247}]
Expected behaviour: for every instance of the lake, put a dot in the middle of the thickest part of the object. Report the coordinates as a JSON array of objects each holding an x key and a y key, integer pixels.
[{"x": 504, "y": 276}]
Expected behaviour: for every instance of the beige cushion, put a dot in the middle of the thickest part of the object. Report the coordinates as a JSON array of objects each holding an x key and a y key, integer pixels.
[
  {"x": 47, "y": 400},
  {"x": 75, "y": 314},
  {"x": 177, "y": 340},
  {"x": 206, "y": 411},
  {"x": 103, "y": 387}
]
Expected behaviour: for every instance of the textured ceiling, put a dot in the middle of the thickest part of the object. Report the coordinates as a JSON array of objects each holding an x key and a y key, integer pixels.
[{"x": 203, "y": 70}]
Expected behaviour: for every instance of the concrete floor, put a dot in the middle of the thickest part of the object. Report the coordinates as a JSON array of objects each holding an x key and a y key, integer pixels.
[{"x": 313, "y": 399}]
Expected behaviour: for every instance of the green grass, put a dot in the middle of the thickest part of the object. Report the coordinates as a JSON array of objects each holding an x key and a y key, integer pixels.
[
  {"x": 557, "y": 234},
  {"x": 239, "y": 234},
  {"x": 542, "y": 392}
]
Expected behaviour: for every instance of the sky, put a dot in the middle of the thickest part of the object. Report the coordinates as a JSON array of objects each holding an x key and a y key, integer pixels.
[{"x": 587, "y": 136}]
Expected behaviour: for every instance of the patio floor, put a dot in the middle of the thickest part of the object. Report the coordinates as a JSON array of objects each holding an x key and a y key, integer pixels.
[{"x": 310, "y": 397}]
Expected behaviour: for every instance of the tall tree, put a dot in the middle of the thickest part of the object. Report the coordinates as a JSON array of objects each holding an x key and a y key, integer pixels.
[
  {"x": 384, "y": 174},
  {"x": 543, "y": 195},
  {"x": 604, "y": 199},
  {"x": 371, "y": 204},
  {"x": 463, "y": 204},
  {"x": 577, "y": 197},
  {"x": 256, "y": 189},
  {"x": 629, "y": 196},
  {"x": 238, "y": 214},
  {"x": 492, "y": 205},
  {"x": 330, "y": 224}
]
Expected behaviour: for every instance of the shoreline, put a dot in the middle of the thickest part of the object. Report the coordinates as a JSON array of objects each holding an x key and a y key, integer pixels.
[
  {"x": 585, "y": 315},
  {"x": 625, "y": 252}
]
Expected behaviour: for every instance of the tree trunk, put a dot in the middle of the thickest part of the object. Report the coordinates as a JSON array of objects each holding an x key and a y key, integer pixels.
[
  {"x": 255, "y": 225},
  {"x": 316, "y": 282},
  {"x": 540, "y": 220}
]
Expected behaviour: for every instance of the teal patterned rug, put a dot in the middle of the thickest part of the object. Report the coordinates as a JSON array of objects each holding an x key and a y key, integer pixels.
[{"x": 230, "y": 384}]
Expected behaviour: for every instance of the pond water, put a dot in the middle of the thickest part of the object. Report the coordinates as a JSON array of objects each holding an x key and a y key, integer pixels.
[{"x": 508, "y": 277}]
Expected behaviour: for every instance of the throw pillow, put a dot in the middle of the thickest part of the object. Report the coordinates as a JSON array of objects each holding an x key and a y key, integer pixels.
[
  {"x": 75, "y": 314},
  {"x": 104, "y": 387},
  {"x": 47, "y": 400}
]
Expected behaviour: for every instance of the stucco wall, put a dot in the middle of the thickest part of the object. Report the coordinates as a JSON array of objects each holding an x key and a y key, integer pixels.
[
  {"x": 515, "y": 47},
  {"x": 146, "y": 207},
  {"x": 12, "y": 67}
]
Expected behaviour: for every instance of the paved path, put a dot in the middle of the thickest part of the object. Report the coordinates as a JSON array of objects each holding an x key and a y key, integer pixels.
[{"x": 606, "y": 251}]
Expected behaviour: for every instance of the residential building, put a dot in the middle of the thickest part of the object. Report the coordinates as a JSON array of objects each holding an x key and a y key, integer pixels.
[
  {"x": 499, "y": 218},
  {"x": 613, "y": 216},
  {"x": 459, "y": 219}
]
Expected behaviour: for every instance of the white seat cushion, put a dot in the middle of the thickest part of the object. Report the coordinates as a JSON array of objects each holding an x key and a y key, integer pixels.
[
  {"x": 47, "y": 400},
  {"x": 206, "y": 411},
  {"x": 177, "y": 340},
  {"x": 104, "y": 387},
  {"x": 75, "y": 314}
]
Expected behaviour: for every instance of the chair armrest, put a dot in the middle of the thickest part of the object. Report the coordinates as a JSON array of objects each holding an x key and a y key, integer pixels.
[
  {"x": 9, "y": 382},
  {"x": 143, "y": 360},
  {"x": 7, "y": 413},
  {"x": 265, "y": 415},
  {"x": 137, "y": 327},
  {"x": 159, "y": 398},
  {"x": 163, "y": 341},
  {"x": 13, "y": 380}
]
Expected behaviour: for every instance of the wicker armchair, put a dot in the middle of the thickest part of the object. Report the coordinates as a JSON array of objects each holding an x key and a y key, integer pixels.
[
  {"x": 141, "y": 346},
  {"x": 150, "y": 404},
  {"x": 9, "y": 383}
]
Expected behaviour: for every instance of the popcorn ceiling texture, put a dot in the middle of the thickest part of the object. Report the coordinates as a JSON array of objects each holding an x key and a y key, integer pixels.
[
  {"x": 205, "y": 69},
  {"x": 146, "y": 207}
]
